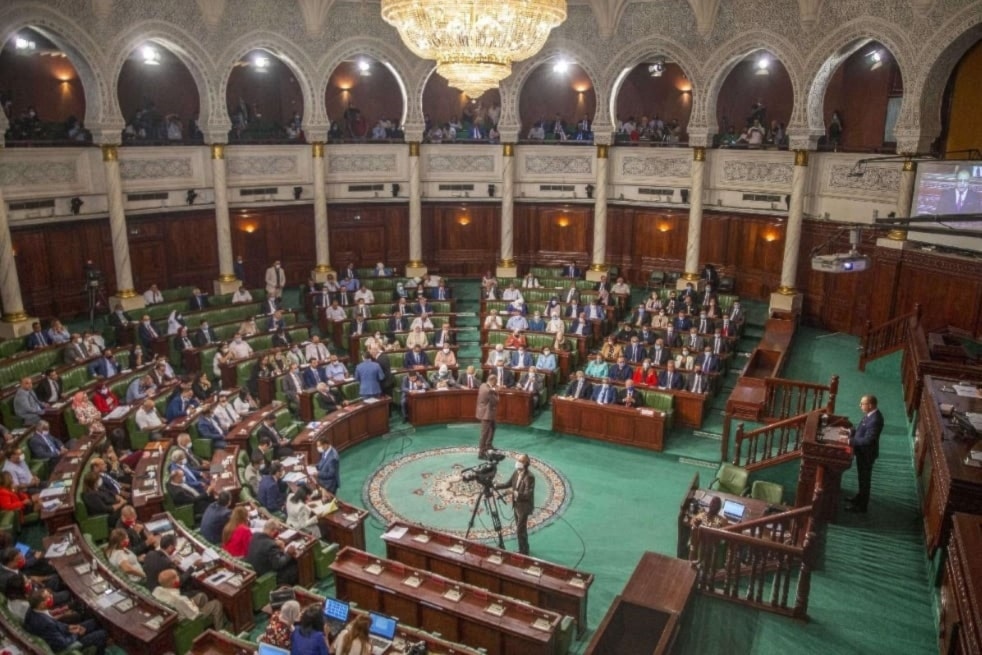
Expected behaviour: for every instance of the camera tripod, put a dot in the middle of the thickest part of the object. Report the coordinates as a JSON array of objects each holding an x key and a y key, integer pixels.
[{"x": 490, "y": 497}]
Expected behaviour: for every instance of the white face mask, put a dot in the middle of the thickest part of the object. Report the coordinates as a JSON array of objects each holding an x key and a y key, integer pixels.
[
  {"x": 446, "y": 351},
  {"x": 519, "y": 466},
  {"x": 321, "y": 449}
]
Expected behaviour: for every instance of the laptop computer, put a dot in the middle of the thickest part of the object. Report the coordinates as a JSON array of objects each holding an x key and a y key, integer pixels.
[
  {"x": 733, "y": 510},
  {"x": 335, "y": 614},
  {"x": 269, "y": 649},
  {"x": 381, "y": 630}
]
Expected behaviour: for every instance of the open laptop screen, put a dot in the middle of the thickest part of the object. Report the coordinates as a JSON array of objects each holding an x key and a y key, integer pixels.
[
  {"x": 733, "y": 509},
  {"x": 382, "y": 626},
  {"x": 336, "y": 610}
]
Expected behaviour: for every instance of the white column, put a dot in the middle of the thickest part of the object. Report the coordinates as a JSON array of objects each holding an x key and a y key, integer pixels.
[
  {"x": 695, "y": 218},
  {"x": 507, "y": 267},
  {"x": 15, "y": 321},
  {"x": 787, "y": 298},
  {"x": 226, "y": 282},
  {"x": 321, "y": 242},
  {"x": 416, "y": 267},
  {"x": 598, "y": 264},
  {"x": 125, "y": 294}
]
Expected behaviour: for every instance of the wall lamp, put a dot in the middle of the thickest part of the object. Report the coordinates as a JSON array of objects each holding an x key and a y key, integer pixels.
[
  {"x": 491, "y": 190},
  {"x": 395, "y": 190},
  {"x": 76, "y": 204},
  {"x": 191, "y": 196},
  {"x": 297, "y": 192},
  {"x": 589, "y": 190}
]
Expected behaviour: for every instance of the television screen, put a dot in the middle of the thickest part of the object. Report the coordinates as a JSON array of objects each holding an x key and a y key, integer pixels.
[{"x": 949, "y": 188}]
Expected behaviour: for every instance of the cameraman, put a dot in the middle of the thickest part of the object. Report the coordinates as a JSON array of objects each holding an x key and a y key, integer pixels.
[{"x": 522, "y": 485}]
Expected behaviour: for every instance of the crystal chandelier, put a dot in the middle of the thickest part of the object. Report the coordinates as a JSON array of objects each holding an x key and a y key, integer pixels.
[{"x": 474, "y": 43}]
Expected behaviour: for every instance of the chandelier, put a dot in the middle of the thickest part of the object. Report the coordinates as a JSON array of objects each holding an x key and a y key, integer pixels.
[{"x": 474, "y": 43}]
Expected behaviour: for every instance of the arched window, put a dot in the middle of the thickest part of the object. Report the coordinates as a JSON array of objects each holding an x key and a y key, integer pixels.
[
  {"x": 755, "y": 103},
  {"x": 158, "y": 98},
  {"x": 364, "y": 102},
  {"x": 265, "y": 102},
  {"x": 556, "y": 99},
  {"x": 653, "y": 105}
]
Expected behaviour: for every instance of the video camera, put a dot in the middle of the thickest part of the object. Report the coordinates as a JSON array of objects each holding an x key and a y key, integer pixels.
[
  {"x": 419, "y": 648},
  {"x": 484, "y": 473}
]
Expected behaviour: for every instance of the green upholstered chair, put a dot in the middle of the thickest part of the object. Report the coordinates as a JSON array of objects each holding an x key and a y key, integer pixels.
[
  {"x": 770, "y": 492},
  {"x": 731, "y": 479}
]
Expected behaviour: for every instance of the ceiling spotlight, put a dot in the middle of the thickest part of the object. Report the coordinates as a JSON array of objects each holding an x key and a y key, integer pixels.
[
  {"x": 656, "y": 68},
  {"x": 877, "y": 58},
  {"x": 24, "y": 44},
  {"x": 561, "y": 67},
  {"x": 363, "y": 65},
  {"x": 763, "y": 65},
  {"x": 151, "y": 56},
  {"x": 260, "y": 62}
]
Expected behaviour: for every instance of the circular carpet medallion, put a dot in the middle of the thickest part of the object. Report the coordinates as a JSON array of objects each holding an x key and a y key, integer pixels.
[{"x": 426, "y": 488}]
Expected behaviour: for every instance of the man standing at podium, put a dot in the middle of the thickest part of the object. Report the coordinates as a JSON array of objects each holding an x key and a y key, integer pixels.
[
  {"x": 522, "y": 485},
  {"x": 487, "y": 411},
  {"x": 865, "y": 442}
]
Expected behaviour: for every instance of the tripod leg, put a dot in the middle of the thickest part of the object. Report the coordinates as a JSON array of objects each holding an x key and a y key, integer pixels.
[
  {"x": 491, "y": 502},
  {"x": 470, "y": 524}
]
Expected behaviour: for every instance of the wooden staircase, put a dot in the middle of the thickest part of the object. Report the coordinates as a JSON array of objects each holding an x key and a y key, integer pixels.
[{"x": 887, "y": 338}]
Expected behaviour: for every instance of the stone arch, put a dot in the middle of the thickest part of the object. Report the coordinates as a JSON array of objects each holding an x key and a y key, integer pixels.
[
  {"x": 84, "y": 53},
  {"x": 286, "y": 50},
  {"x": 181, "y": 45},
  {"x": 644, "y": 50},
  {"x": 512, "y": 86},
  {"x": 938, "y": 60},
  {"x": 841, "y": 44},
  {"x": 726, "y": 57},
  {"x": 380, "y": 50}
]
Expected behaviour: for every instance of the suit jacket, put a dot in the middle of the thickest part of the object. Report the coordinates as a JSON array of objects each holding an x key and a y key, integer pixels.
[
  {"x": 37, "y": 340},
  {"x": 54, "y": 633},
  {"x": 602, "y": 395},
  {"x": 465, "y": 383},
  {"x": 412, "y": 358},
  {"x": 198, "y": 302},
  {"x": 702, "y": 385},
  {"x": 75, "y": 352},
  {"x": 675, "y": 381},
  {"x": 865, "y": 439},
  {"x": 586, "y": 391},
  {"x": 117, "y": 320},
  {"x": 398, "y": 324},
  {"x": 27, "y": 406},
  {"x": 265, "y": 555},
  {"x": 47, "y": 389},
  {"x": 487, "y": 403},
  {"x": 209, "y": 428},
  {"x": 523, "y": 360},
  {"x": 202, "y": 339},
  {"x": 183, "y": 343},
  {"x": 179, "y": 495},
  {"x": 329, "y": 470},
  {"x": 146, "y": 336},
  {"x": 636, "y": 398},
  {"x": 620, "y": 373},
  {"x": 522, "y": 485},
  {"x": 537, "y": 382},
  {"x": 505, "y": 377},
  {"x": 709, "y": 363},
  {"x": 176, "y": 407},
  {"x": 949, "y": 203},
  {"x": 292, "y": 386},
  {"x": 275, "y": 277},
  {"x": 659, "y": 357},
  {"x": 270, "y": 494},
  {"x": 44, "y": 448},
  {"x": 635, "y": 353},
  {"x": 103, "y": 368},
  {"x": 271, "y": 432}
]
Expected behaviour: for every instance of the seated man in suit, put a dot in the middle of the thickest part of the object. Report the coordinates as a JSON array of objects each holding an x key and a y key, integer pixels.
[
  {"x": 293, "y": 386},
  {"x": 192, "y": 478},
  {"x": 147, "y": 333},
  {"x": 327, "y": 398},
  {"x": 182, "y": 341},
  {"x": 204, "y": 336},
  {"x": 670, "y": 378},
  {"x": 44, "y": 445},
  {"x": 698, "y": 381},
  {"x": 272, "y": 489},
  {"x": 106, "y": 366},
  {"x": 621, "y": 371},
  {"x": 58, "y": 635},
  {"x": 99, "y": 500},
  {"x": 708, "y": 361},
  {"x": 571, "y": 270},
  {"x": 470, "y": 379},
  {"x": 533, "y": 382},
  {"x": 605, "y": 394},
  {"x": 415, "y": 359},
  {"x": 693, "y": 340},
  {"x": 198, "y": 300},
  {"x": 181, "y": 404},
  {"x": 48, "y": 390},
  {"x": 521, "y": 358},
  {"x": 397, "y": 323},
  {"x": 209, "y": 428},
  {"x": 182, "y": 493},
  {"x": 581, "y": 326},
  {"x": 635, "y": 351},
  {"x": 266, "y": 554},
  {"x": 682, "y": 322},
  {"x": 119, "y": 319},
  {"x": 579, "y": 387},
  {"x": 412, "y": 383},
  {"x": 37, "y": 338},
  {"x": 152, "y": 296},
  {"x": 281, "y": 447},
  {"x": 506, "y": 378},
  {"x": 75, "y": 351},
  {"x": 630, "y": 397},
  {"x": 27, "y": 407}
]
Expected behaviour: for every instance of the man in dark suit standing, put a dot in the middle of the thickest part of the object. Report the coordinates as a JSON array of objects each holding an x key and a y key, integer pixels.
[
  {"x": 487, "y": 410},
  {"x": 522, "y": 485},
  {"x": 865, "y": 442}
]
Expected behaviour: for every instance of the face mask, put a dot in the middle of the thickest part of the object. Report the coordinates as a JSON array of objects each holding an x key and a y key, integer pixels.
[
  {"x": 49, "y": 603},
  {"x": 446, "y": 351},
  {"x": 98, "y": 484},
  {"x": 321, "y": 449},
  {"x": 519, "y": 466},
  {"x": 129, "y": 523}
]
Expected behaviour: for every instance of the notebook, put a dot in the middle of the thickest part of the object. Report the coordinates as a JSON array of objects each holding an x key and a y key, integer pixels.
[
  {"x": 733, "y": 510},
  {"x": 335, "y": 614},
  {"x": 382, "y": 631}
]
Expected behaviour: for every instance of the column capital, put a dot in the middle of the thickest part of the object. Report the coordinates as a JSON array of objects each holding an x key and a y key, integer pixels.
[
  {"x": 317, "y": 149},
  {"x": 218, "y": 151},
  {"x": 801, "y": 158},
  {"x": 699, "y": 153},
  {"x": 414, "y": 148},
  {"x": 603, "y": 151},
  {"x": 110, "y": 152},
  {"x": 786, "y": 291},
  {"x": 508, "y": 149}
]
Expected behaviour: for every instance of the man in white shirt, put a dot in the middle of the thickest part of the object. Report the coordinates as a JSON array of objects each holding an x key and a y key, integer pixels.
[
  {"x": 317, "y": 350},
  {"x": 511, "y": 293},
  {"x": 239, "y": 348},
  {"x": 24, "y": 479},
  {"x": 147, "y": 418},
  {"x": 225, "y": 414},
  {"x": 517, "y": 322},
  {"x": 152, "y": 296},
  {"x": 335, "y": 370},
  {"x": 493, "y": 321},
  {"x": 168, "y": 592},
  {"x": 546, "y": 361},
  {"x": 621, "y": 287},
  {"x": 366, "y": 294},
  {"x": 275, "y": 280},
  {"x": 335, "y": 312},
  {"x": 241, "y": 296}
]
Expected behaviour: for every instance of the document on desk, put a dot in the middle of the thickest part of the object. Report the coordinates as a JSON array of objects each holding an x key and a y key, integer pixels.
[
  {"x": 57, "y": 549},
  {"x": 53, "y": 491},
  {"x": 399, "y": 531},
  {"x": 495, "y": 609},
  {"x": 967, "y": 391},
  {"x": 289, "y": 461}
]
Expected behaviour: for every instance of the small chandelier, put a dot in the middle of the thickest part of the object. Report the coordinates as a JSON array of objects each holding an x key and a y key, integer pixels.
[{"x": 474, "y": 43}]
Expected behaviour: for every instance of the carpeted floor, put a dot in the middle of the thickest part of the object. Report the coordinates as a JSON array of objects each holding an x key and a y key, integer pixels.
[{"x": 871, "y": 594}]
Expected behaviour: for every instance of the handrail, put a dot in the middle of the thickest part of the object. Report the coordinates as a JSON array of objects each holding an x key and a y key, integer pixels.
[
  {"x": 792, "y": 397},
  {"x": 886, "y": 338},
  {"x": 761, "y": 450},
  {"x": 767, "y": 520}
]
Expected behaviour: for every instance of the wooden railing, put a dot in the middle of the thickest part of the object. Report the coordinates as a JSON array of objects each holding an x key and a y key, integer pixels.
[
  {"x": 770, "y": 445},
  {"x": 765, "y": 563},
  {"x": 787, "y": 398},
  {"x": 887, "y": 338}
]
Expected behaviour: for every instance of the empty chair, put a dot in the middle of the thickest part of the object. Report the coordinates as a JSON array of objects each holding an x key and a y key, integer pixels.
[
  {"x": 731, "y": 478},
  {"x": 727, "y": 283},
  {"x": 656, "y": 280},
  {"x": 771, "y": 492}
]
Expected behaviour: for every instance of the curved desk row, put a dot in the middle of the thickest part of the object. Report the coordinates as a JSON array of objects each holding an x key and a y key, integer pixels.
[
  {"x": 460, "y": 406},
  {"x": 641, "y": 427}
]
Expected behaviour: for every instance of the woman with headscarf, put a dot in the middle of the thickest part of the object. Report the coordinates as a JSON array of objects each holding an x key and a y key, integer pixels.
[
  {"x": 442, "y": 379},
  {"x": 280, "y": 625},
  {"x": 87, "y": 414},
  {"x": 175, "y": 321}
]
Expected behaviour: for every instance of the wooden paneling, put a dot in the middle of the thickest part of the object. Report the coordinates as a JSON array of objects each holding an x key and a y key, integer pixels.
[
  {"x": 461, "y": 239},
  {"x": 550, "y": 234},
  {"x": 366, "y": 234}
]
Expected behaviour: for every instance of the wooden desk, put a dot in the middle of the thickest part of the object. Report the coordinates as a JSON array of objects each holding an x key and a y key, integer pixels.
[
  {"x": 148, "y": 480},
  {"x": 307, "y": 398},
  {"x": 236, "y": 600},
  {"x": 127, "y": 626},
  {"x": 239, "y": 433},
  {"x": 226, "y": 472},
  {"x": 303, "y": 550},
  {"x": 645, "y": 617},
  {"x": 947, "y": 483},
  {"x": 345, "y": 527},
  {"x": 426, "y": 605},
  {"x": 346, "y": 427},
  {"x": 67, "y": 472},
  {"x": 960, "y": 630},
  {"x": 211, "y": 642},
  {"x": 549, "y": 586},
  {"x": 515, "y": 407},
  {"x": 642, "y": 427}
]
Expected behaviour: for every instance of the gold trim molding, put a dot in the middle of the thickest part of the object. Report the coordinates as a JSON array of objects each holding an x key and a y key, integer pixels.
[
  {"x": 126, "y": 293},
  {"x": 414, "y": 148},
  {"x": 414, "y": 263},
  {"x": 699, "y": 154},
  {"x": 599, "y": 267},
  {"x": 508, "y": 149},
  {"x": 14, "y": 317},
  {"x": 910, "y": 166},
  {"x": 323, "y": 268},
  {"x": 218, "y": 151},
  {"x": 506, "y": 263},
  {"x": 800, "y": 157},
  {"x": 690, "y": 277},
  {"x": 226, "y": 277},
  {"x": 317, "y": 149},
  {"x": 603, "y": 150},
  {"x": 786, "y": 291},
  {"x": 897, "y": 235},
  {"x": 110, "y": 152}
]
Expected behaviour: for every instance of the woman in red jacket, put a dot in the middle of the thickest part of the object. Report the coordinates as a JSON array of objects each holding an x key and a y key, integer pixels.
[
  {"x": 104, "y": 399},
  {"x": 12, "y": 500},
  {"x": 646, "y": 374},
  {"x": 236, "y": 536}
]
